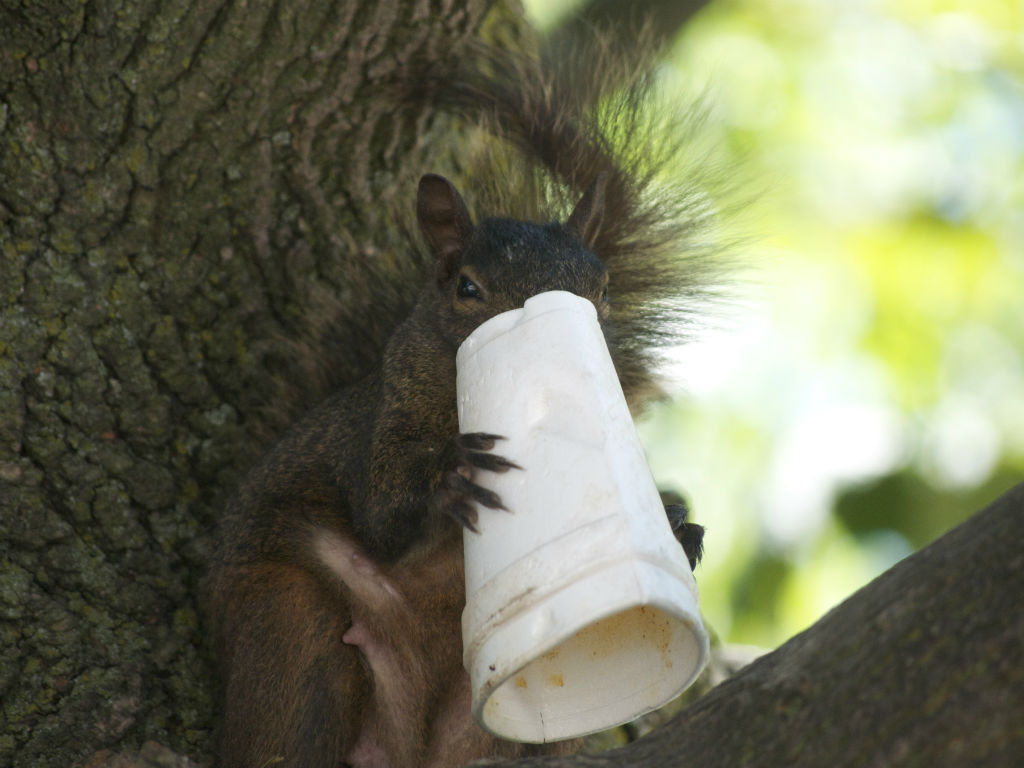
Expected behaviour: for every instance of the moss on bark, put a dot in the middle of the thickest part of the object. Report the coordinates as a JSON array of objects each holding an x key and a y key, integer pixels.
[{"x": 175, "y": 180}]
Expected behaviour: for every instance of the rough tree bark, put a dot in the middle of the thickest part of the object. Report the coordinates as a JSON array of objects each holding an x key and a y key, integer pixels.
[{"x": 175, "y": 179}]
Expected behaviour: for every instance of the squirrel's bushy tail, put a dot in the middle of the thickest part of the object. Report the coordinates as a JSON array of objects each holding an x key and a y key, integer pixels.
[
  {"x": 658, "y": 235},
  {"x": 544, "y": 138}
]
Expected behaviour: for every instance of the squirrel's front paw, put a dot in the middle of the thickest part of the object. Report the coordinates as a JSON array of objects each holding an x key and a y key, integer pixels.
[
  {"x": 457, "y": 490},
  {"x": 690, "y": 535}
]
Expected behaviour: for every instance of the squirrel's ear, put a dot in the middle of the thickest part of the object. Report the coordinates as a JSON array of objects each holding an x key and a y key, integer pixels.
[
  {"x": 443, "y": 219},
  {"x": 585, "y": 221}
]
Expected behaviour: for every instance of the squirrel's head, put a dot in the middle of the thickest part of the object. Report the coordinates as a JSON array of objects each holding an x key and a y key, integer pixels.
[{"x": 488, "y": 268}]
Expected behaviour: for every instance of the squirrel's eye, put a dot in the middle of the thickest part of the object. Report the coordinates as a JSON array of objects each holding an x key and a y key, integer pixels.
[
  {"x": 467, "y": 288},
  {"x": 604, "y": 294}
]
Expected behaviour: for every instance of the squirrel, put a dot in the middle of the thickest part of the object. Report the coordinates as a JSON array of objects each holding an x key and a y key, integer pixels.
[{"x": 336, "y": 588}]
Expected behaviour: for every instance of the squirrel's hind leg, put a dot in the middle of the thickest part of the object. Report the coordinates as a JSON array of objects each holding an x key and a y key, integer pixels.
[{"x": 295, "y": 690}]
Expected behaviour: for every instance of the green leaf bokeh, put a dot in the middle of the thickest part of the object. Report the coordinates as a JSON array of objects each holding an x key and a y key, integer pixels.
[{"x": 864, "y": 390}]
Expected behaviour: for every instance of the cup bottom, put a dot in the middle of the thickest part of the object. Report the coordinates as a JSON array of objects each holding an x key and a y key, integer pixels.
[{"x": 644, "y": 649}]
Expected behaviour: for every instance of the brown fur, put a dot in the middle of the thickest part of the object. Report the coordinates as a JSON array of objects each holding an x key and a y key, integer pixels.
[{"x": 336, "y": 590}]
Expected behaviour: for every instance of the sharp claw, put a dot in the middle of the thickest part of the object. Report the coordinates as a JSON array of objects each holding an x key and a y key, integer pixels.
[
  {"x": 491, "y": 462},
  {"x": 477, "y": 441},
  {"x": 489, "y": 499},
  {"x": 457, "y": 492},
  {"x": 459, "y": 484},
  {"x": 471, "y": 526},
  {"x": 463, "y": 512}
]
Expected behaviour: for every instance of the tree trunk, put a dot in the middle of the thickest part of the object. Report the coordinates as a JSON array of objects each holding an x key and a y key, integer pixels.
[{"x": 176, "y": 180}]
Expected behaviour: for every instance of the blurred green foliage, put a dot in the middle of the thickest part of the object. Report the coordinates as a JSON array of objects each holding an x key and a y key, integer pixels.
[{"x": 864, "y": 392}]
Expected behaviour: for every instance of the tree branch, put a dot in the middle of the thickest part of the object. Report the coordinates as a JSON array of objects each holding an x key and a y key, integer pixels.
[{"x": 920, "y": 667}]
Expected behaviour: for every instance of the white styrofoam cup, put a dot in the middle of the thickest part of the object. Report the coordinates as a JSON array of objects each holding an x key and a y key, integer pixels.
[{"x": 581, "y": 609}]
